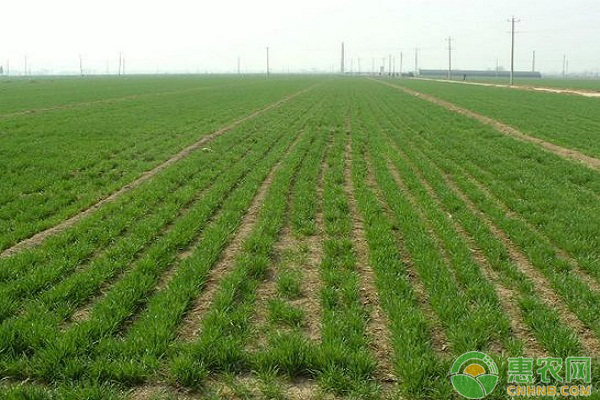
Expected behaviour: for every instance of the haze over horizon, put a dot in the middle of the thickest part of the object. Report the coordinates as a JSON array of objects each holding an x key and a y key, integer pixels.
[{"x": 182, "y": 36}]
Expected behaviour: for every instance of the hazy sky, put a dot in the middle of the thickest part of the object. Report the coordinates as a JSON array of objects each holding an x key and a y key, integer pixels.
[{"x": 190, "y": 36}]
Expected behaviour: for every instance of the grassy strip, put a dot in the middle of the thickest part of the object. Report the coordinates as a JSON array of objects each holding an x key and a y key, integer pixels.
[
  {"x": 65, "y": 391},
  {"x": 415, "y": 360},
  {"x": 344, "y": 356},
  {"x": 464, "y": 327}
]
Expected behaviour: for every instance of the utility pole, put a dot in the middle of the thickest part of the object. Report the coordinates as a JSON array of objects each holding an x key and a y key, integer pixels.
[
  {"x": 120, "y": 63},
  {"x": 564, "y": 66},
  {"x": 533, "y": 62},
  {"x": 401, "y": 64},
  {"x": 268, "y": 72},
  {"x": 449, "y": 57},
  {"x": 80, "y": 65},
  {"x": 512, "y": 49},
  {"x": 390, "y": 65},
  {"x": 393, "y": 66},
  {"x": 342, "y": 68},
  {"x": 416, "y": 61}
]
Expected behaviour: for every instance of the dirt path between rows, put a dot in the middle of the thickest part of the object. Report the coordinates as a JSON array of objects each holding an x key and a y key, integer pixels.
[
  {"x": 563, "y": 152},
  {"x": 580, "y": 92},
  {"x": 41, "y": 236}
]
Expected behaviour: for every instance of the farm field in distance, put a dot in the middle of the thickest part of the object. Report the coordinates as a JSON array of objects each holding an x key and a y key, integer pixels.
[
  {"x": 586, "y": 84},
  {"x": 297, "y": 237}
]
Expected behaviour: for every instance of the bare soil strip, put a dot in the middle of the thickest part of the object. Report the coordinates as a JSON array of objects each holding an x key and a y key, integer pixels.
[
  {"x": 310, "y": 273},
  {"x": 311, "y": 277},
  {"x": 507, "y": 296},
  {"x": 589, "y": 341},
  {"x": 377, "y": 324},
  {"x": 41, "y": 236},
  {"x": 563, "y": 152},
  {"x": 191, "y": 323},
  {"x": 580, "y": 92}
]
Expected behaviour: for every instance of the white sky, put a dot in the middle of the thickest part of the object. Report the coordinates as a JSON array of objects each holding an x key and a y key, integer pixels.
[{"x": 191, "y": 36}]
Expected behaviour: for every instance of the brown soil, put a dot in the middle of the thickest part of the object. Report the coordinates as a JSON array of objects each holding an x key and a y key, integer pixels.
[
  {"x": 191, "y": 324},
  {"x": 570, "y": 154},
  {"x": 589, "y": 341},
  {"x": 41, "y": 236}
]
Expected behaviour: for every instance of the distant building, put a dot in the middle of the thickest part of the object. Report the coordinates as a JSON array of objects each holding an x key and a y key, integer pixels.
[{"x": 460, "y": 73}]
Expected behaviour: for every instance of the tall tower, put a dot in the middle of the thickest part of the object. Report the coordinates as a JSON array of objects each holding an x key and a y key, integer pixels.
[{"x": 342, "y": 69}]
